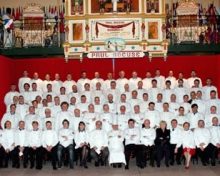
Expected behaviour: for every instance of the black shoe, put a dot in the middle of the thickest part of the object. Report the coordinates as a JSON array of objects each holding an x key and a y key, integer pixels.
[
  {"x": 158, "y": 165},
  {"x": 119, "y": 165},
  {"x": 213, "y": 163},
  {"x": 171, "y": 163},
  {"x": 152, "y": 164},
  {"x": 85, "y": 166},
  {"x": 167, "y": 165},
  {"x": 25, "y": 166},
  {"x": 71, "y": 167},
  {"x": 18, "y": 166},
  {"x": 114, "y": 165},
  {"x": 178, "y": 163},
  {"x": 38, "y": 167},
  {"x": 32, "y": 166},
  {"x": 126, "y": 167},
  {"x": 96, "y": 164},
  {"x": 54, "y": 168},
  {"x": 5, "y": 166},
  {"x": 204, "y": 164}
]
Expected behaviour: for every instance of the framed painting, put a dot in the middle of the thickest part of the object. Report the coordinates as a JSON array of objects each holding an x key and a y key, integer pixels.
[
  {"x": 76, "y": 7},
  {"x": 154, "y": 30},
  {"x": 77, "y": 33},
  {"x": 153, "y": 6}
]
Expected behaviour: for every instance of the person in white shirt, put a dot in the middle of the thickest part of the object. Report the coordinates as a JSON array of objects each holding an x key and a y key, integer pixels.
[
  {"x": 181, "y": 117},
  {"x": 186, "y": 142},
  {"x": 21, "y": 145},
  {"x": 11, "y": 116},
  {"x": 107, "y": 118},
  {"x": 138, "y": 116},
  {"x": 48, "y": 117},
  {"x": 57, "y": 84},
  {"x": 35, "y": 146},
  {"x": 209, "y": 116},
  {"x": 76, "y": 118},
  {"x": 175, "y": 136},
  {"x": 180, "y": 91},
  {"x": 95, "y": 80},
  {"x": 146, "y": 147},
  {"x": 97, "y": 105},
  {"x": 181, "y": 77},
  {"x": 208, "y": 88},
  {"x": 134, "y": 100},
  {"x": 160, "y": 79},
  {"x": 65, "y": 137},
  {"x": 147, "y": 81},
  {"x": 121, "y": 81},
  {"x": 49, "y": 91},
  {"x": 23, "y": 80},
  {"x": 49, "y": 143},
  {"x": 82, "y": 144},
  {"x": 154, "y": 91},
  {"x": 87, "y": 92},
  {"x": 46, "y": 82},
  {"x": 194, "y": 117},
  {"x": 133, "y": 81},
  {"x": 8, "y": 144},
  {"x": 63, "y": 96},
  {"x": 152, "y": 115},
  {"x": 132, "y": 139},
  {"x": 167, "y": 92},
  {"x": 74, "y": 93},
  {"x": 26, "y": 93},
  {"x": 116, "y": 147},
  {"x": 98, "y": 141},
  {"x": 111, "y": 103},
  {"x": 213, "y": 101},
  {"x": 202, "y": 139},
  {"x": 140, "y": 90},
  {"x": 215, "y": 140},
  {"x": 122, "y": 118},
  {"x": 8, "y": 99},
  {"x": 98, "y": 92},
  {"x": 166, "y": 115},
  {"x": 21, "y": 107},
  {"x": 37, "y": 80},
  {"x": 172, "y": 79},
  {"x": 123, "y": 101},
  {"x": 83, "y": 104},
  {"x": 193, "y": 78},
  {"x": 34, "y": 92},
  {"x": 82, "y": 81},
  {"x": 145, "y": 102},
  {"x": 68, "y": 83},
  {"x": 114, "y": 91},
  {"x": 107, "y": 82},
  {"x": 1, "y": 149}
]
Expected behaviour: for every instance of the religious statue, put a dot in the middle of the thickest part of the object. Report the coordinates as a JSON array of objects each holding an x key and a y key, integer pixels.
[
  {"x": 115, "y": 5},
  {"x": 102, "y": 6}
]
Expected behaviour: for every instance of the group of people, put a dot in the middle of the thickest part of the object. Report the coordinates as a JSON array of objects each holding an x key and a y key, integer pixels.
[{"x": 110, "y": 121}]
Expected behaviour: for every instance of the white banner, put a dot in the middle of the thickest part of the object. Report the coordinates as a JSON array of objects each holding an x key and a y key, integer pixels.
[
  {"x": 120, "y": 54},
  {"x": 127, "y": 29}
]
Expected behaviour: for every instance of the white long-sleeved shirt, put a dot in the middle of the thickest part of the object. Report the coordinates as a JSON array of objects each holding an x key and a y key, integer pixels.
[
  {"x": 66, "y": 133},
  {"x": 154, "y": 117},
  {"x": 215, "y": 135},
  {"x": 202, "y": 135},
  {"x": 194, "y": 118},
  {"x": 116, "y": 138},
  {"x": 132, "y": 136},
  {"x": 8, "y": 139},
  {"x": 98, "y": 138},
  {"x": 34, "y": 138},
  {"x": 148, "y": 136},
  {"x": 21, "y": 137},
  {"x": 186, "y": 140},
  {"x": 8, "y": 99},
  {"x": 13, "y": 118},
  {"x": 175, "y": 135},
  {"x": 81, "y": 137},
  {"x": 49, "y": 138}
]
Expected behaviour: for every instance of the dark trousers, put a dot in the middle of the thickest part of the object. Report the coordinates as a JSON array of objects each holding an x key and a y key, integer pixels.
[
  {"x": 145, "y": 153},
  {"x": 100, "y": 157},
  {"x": 61, "y": 150},
  {"x": 213, "y": 153},
  {"x": 162, "y": 150},
  {"x": 130, "y": 151},
  {"x": 7, "y": 155},
  {"x": 36, "y": 155},
  {"x": 52, "y": 155},
  {"x": 2, "y": 154},
  {"x": 17, "y": 157},
  {"x": 205, "y": 154},
  {"x": 83, "y": 154},
  {"x": 172, "y": 154}
]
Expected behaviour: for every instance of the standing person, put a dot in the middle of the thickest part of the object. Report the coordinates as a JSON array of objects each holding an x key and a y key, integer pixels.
[
  {"x": 116, "y": 147},
  {"x": 132, "y": 139},
  {"x": 49, "y": 142},
  {"x": 65, "y": 143},
  {"x": 162, "y": 143},
  {"x": 82, "y": 144},
  {"x": 147, "y": 146},
  {"x": 187, "y": 142}
]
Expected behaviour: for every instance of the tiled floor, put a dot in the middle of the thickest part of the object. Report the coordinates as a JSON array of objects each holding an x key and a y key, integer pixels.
[{"x": 195, "y": 170}]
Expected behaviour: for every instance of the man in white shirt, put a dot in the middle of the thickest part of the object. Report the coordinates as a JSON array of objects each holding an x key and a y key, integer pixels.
[
  {"x": 65, "y": 143},
  {"x": 175, "y": 135},
  {"x": 202, "y": 139},
  {"x": 95, "y": 80},
  {"x": 160, "y": 79},
  {"x": 121, "y": 81},
  {"x": 98, "y": 141},
  {"x": 180, "y": 91},
  {"x": 208, "y": 88},
  {"x": 8, "y": 99},
  {"x": 26, "y": 93},
  {"x": 172, "y": 79},
  {"x": 213, "y": 101},
  {"x": 82, "y": 81},
  {"x": 107, "y": 82},
  {"x": 83, "y": 104},
  {"x": 215, "y": 140},
  {"x": 133, "y": 81},
  {"x": 21, "y": 145},
  {"x": 49, "y": 143},
  {"x": 167, "y": 92},
  {"x": 193, "y": 78},
  {"x": 154, "y": 91},
  {"x": 35, "y": 146},
  {"x": 68, "y": 83},
  {"x": 57, "y": 84},
  {"x": 209, "y": 116},
  {"x": 132, "y": 139},
  {"x": 23, "y": 80},
  {"x": 37, "y": 80},
  {"x": 147, "y": 81},
  {"x": 152, "y": 115}
]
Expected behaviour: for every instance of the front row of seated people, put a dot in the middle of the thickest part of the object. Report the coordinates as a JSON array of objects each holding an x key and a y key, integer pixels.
[{"x": 63, "y": 147}]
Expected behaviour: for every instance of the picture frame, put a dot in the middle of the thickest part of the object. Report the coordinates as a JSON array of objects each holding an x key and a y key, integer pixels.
[
  {"x": 77, "y": 33},
  {"x": 76, "y": 7},
  {"x": 153, "y": 7},
  {"x": 153, "y": 31}
]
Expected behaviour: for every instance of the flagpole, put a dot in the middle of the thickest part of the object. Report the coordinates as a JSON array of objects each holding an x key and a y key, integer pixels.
[{"x": 58, "y": 22}]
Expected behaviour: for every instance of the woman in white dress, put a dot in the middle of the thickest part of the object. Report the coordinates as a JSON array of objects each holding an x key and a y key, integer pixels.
[
  {"x": 116, "y": 147},
  {"x": 82, "y": 145},
  {"x": 188, "y": 144}
]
